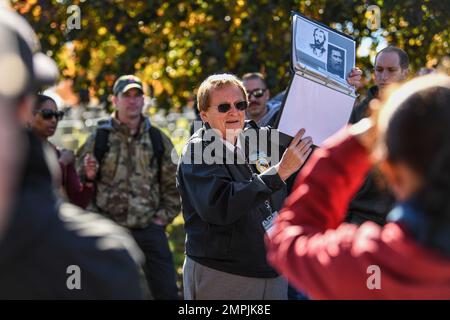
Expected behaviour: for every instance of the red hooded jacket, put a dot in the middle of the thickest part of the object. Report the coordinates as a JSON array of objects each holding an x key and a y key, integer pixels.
[{"x": 328, "y": 259}]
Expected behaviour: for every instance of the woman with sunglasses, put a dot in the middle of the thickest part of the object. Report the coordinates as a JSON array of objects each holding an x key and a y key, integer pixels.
[
  {"x": 409, "y": 257},
  {"x": 229, "y": 202},
  {"x": 44, "y": 123}
]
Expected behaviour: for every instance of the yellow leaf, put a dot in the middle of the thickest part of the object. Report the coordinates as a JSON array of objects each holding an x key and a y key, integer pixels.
[{"x": 102, "y": 31}]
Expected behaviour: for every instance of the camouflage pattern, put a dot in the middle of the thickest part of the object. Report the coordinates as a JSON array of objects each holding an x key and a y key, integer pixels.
[{"x": 127, "y": 186}]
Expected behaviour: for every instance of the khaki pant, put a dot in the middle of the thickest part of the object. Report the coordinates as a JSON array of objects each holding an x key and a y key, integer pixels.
[{"x": 203, "y": 283}]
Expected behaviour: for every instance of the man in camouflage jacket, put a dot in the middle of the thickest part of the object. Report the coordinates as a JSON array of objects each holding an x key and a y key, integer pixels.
[{"x": 129, "y": 187}]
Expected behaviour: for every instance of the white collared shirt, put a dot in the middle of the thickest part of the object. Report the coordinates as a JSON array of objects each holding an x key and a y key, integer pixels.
[{"x": 232, "y": 147}]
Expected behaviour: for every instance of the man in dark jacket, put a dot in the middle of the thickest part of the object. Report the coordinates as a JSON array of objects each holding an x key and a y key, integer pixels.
[
  {"x": 228, "y": 202},
  {"x": 373, "y": 201}
]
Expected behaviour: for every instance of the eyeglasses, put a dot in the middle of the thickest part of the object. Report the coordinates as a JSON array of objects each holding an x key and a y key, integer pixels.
[
  {"x": 47, "y": 114},
  {"x": 257, "y": 93},
  {"x": 225, "y": 107}
]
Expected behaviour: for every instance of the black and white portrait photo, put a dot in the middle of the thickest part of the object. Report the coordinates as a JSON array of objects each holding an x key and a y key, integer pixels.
[
  {"x": 321, "y": 49},
  {"x": 336, "y": 61},
  {"x": 318, "y": 46},
  {"x": 312, "y": 41}
]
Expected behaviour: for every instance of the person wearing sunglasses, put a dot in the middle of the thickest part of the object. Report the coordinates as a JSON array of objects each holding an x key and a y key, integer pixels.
[
  {"x": 44, "y": 123},
  {"x": 259, "y": 110},
  {"x": 228, "y": 205}
]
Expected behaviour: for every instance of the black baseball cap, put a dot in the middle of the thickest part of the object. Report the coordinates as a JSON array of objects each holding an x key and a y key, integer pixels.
[{"x": 127, "y": 82}]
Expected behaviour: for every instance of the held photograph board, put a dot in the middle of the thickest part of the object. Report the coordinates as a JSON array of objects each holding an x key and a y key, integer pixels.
[{"x": 322, "y": 49}]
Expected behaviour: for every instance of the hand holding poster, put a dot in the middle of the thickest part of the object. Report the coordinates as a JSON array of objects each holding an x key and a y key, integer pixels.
[{"x": 318, "y": 99}]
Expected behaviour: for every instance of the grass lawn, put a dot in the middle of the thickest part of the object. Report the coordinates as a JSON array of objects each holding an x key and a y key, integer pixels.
[{"x": 176, "y": 242}]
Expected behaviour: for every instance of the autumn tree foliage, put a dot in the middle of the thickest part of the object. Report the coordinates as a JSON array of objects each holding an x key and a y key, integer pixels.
[{"x": 174, "y": 45}]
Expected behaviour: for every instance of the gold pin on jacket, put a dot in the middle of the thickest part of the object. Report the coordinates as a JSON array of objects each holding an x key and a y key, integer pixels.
[{"x": 262, "y": 162}]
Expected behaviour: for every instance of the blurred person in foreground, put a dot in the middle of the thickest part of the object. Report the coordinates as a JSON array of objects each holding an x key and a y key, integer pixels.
[
  {"x": 409, "y": 257},
  {"x": 48, "y": 249}
]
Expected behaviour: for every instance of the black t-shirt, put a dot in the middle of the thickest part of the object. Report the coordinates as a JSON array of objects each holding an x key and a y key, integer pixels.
[{"x": 373, "y": 201}]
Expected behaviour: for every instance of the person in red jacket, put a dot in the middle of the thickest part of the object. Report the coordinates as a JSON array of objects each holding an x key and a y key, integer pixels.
[
  {"x": 408, "y": 258},
  {"x": 44, "y": 122}
]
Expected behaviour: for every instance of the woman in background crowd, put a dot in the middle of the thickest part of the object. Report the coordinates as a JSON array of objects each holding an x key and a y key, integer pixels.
[{"x": 44, "y": 124}]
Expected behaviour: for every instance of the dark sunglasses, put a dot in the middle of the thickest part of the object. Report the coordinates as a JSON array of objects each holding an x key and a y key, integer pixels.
[
  {"x": 47, "y": 114},
  {"x": 225, "y": 107},
  {"x": 257, "y": 93}
]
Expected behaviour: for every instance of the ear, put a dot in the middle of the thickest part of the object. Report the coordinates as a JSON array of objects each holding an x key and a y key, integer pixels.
[
  {"x": 114, "y": 100},
  {"x": 267, "y": 93},
  {"x": 204, "y": 116},
  {"x": 405, "y": 73}
]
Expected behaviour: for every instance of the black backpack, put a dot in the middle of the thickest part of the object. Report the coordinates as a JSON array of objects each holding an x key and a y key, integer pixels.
[{"x": 101, "y": 146}]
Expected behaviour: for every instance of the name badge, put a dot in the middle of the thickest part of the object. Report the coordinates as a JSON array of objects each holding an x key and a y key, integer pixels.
[{"x": 268, "y": 223}]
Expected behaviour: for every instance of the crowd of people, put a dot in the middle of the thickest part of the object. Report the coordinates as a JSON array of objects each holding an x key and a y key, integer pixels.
[{"x": 306, "y": 224}]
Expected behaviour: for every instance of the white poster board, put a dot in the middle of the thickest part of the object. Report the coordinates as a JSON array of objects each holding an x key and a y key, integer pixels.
[{"x": 319, "y": 109}]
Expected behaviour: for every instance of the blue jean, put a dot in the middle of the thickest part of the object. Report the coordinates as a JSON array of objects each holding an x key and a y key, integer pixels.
[{"x": 159, "y": 268}]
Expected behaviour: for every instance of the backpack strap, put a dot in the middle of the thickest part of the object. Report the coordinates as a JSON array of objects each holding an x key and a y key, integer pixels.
[
  {"x": 158, "y": 148},
  {"x": 101, "y": 144}
]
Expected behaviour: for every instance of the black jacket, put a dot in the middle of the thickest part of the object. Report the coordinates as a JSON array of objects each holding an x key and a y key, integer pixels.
[
  {"x": 373, "y": 201},
  {"x": 360, "y": 111},
  {"x": 44, "y": 238},
  {"x": 224, "y": 209}
]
